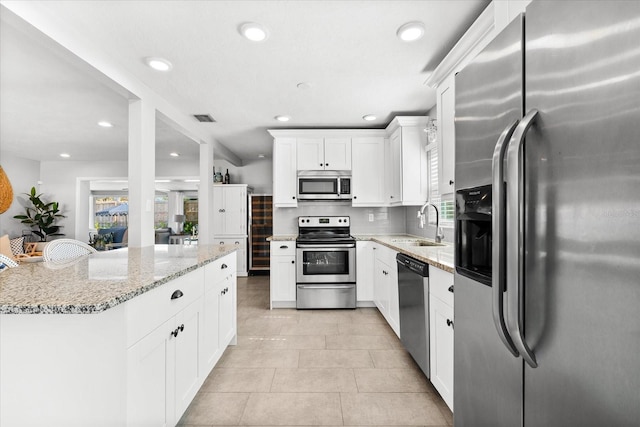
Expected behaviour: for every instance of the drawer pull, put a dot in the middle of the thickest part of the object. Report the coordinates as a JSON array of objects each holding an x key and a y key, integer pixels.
[
  {"x": 223, "y": 266},
  {"x": 284, "y": 247},
  {"x": 177, "y": 294},
  {"x": 451, "y": 289},
  {"x": 450, "y": 323}
]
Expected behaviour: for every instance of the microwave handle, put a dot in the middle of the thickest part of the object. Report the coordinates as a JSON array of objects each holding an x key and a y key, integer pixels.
[{"x": 339, "y": 185}]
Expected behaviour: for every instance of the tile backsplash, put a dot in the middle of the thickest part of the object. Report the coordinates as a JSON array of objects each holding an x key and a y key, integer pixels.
[{"x": 385, "y": 220}]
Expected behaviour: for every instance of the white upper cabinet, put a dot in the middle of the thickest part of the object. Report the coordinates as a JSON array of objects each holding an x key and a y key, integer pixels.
[
  {"x": 446, "y": 135},
  {"x": 284, "y": 172},
  {"x": 324, "y": 153},
  {"x": 230, "y": 210},
  {"x": 408, "y": 173},
  {"x": 368, "y": 171}
]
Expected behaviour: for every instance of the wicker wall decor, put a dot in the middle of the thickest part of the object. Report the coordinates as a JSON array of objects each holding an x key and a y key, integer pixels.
[{"x": 6, "y": 192}]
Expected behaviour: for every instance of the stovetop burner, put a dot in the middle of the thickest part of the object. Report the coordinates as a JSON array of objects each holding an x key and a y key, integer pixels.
[{"x": 330, "y": 229}]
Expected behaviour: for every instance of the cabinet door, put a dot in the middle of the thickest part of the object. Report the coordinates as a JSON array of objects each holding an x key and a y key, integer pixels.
[
  {"x": 364, "y": 271},
  {"x": 310, "y": 154},
  {"x": 218, "y": 210},
  {"x": 381, "y": 285},
  {"x": 235, "y": 210},
  {"x": 211, "y": 348},
  {"x": 283, "y": 273},
  {"x": 446, "y": 135},
  {"x": 150, "y": 378},
  {"x": 337, "y": 154},
  {"x": 392, "y": 285},
  {"x": 394, "y": 297},
  {"x": 368, "y": 172},
  {"x": 395, "y": 167},
  {"x": 227, "y": 310},
  {"x": 441, "y": 348},
  {"x": 187, "y": 351},
  {"x": 284, "y": 172}
]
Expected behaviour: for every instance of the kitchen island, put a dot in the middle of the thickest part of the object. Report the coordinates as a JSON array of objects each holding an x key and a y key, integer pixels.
[{"x": 119, "y": 338}]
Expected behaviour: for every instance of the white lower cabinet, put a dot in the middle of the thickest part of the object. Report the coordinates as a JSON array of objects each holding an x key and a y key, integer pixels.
[
  {"x": 283, "y": 274},
  {"x": 365, "y": 262},
  {"x": 385, "y": 286},
  {"x": 163, "y": 374},
  {"x": 441, "y": 332},
  {"x": 167, "y": 366},
  {"x": 219, "y": 320}
]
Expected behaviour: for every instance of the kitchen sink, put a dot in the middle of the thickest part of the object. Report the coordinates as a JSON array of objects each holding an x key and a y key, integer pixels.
[
  {"x": 425, "y": 243},
  {"x": 416, "y": 242}
]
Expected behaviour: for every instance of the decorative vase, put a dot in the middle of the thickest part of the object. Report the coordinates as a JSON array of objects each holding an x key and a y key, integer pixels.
[{"x": 218, "y": 177}]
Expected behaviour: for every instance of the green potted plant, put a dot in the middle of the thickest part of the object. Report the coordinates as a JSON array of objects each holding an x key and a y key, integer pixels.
[{"x": 41, "y": 216}]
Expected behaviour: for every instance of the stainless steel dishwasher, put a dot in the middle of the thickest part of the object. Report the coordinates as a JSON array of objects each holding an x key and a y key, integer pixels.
[{"x": 413, "y": 292}]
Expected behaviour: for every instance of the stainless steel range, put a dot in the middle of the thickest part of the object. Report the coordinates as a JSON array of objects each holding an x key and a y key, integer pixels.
[{"x": 326, "y": 263}]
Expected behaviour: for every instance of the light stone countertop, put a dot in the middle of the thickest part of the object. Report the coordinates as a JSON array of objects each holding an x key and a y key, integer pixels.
[
  {"x": 439, "y": 256},
  {"x": 282, "y": 238},
  {"x": 97, "y": 282}
]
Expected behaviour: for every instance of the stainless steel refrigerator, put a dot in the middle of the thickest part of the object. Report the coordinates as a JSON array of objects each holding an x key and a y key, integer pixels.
[{"x": 547, "y": 282}]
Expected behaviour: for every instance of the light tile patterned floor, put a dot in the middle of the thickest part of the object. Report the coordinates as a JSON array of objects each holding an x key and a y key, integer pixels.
[{"x": 313, "y": 368}]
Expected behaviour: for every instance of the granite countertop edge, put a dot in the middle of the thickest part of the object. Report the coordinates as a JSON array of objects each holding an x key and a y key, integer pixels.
[{"x": 116, "y": 300}]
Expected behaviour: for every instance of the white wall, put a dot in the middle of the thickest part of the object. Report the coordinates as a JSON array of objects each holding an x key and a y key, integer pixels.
[
  {"x": 23, "y": 174},
  {"x": 59, "y": 179},
  {"x": 257, "y": 174}
]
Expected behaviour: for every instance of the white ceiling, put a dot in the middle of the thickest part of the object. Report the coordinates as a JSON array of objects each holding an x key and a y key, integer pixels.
[{"x": 346, "y": 50}]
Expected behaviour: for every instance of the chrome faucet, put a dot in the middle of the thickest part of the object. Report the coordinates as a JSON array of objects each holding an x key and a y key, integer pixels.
[{"x": 421, "y": 215}]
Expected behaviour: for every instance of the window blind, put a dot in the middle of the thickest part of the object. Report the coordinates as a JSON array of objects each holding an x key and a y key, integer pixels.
[{"x": 444, "y": 203}]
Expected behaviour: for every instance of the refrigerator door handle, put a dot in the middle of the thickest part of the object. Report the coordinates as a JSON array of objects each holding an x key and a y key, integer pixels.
[
  {"x": 515, "y": 238},
  {"x": 499, "y": 233}
]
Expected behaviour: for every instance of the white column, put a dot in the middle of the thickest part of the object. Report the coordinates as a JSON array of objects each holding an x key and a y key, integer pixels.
[
  {"x": 205, "y": 195},
  {"x": 85, "y": 212},
  {"x": 142, "y": 172},
  {"x": 175, "y": 207}
]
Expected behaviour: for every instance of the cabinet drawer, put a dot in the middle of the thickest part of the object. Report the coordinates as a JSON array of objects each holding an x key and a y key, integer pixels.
[
  {"x": 283, "y": 247},
  {"x": 440, "y": 282},
  {"x": 219, "y": 269},
  {"x": 239, "y": 243},
  {"x": 149, "y": 310}
]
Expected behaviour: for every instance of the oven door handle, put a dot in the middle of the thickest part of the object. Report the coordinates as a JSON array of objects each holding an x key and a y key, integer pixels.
[
  {"x": 328, "y": 246},
  {"x": 346, "y": 286}
]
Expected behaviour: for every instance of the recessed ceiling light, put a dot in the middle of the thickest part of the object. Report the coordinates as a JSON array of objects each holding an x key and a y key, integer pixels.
[
  {"x": 174, "y": 154},
  {"x": 158, "y": 64},
  {"x": 369, "y": 117},
  {"x": 283, "y": 118},
  {"x": 303, "y": 85},
  {"x": 105, "y": 124},
  {"x": 254, "y": 32},
  {"x": 65, "y": 155},
  {"x": 163, "y": 180},
  {"x": 261, "y": 156},
  {"x": 411, "y": 31}
]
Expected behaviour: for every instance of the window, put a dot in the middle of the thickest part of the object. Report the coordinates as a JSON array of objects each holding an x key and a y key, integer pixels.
[
  {"x": 161, "y": 212},
  {"x": 444, "y": 203},
  {"x": 110, "y": 211}
]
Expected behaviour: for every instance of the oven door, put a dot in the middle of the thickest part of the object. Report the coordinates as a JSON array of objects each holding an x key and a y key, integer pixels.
[{"x": 326, "y": 263}]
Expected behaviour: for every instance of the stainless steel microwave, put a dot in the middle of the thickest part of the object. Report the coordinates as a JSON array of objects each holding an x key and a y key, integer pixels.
[{"x": 324, "y": 185}]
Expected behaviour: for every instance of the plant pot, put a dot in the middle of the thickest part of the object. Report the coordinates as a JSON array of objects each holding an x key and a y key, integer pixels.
[{"x": 40, "y": 246}]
